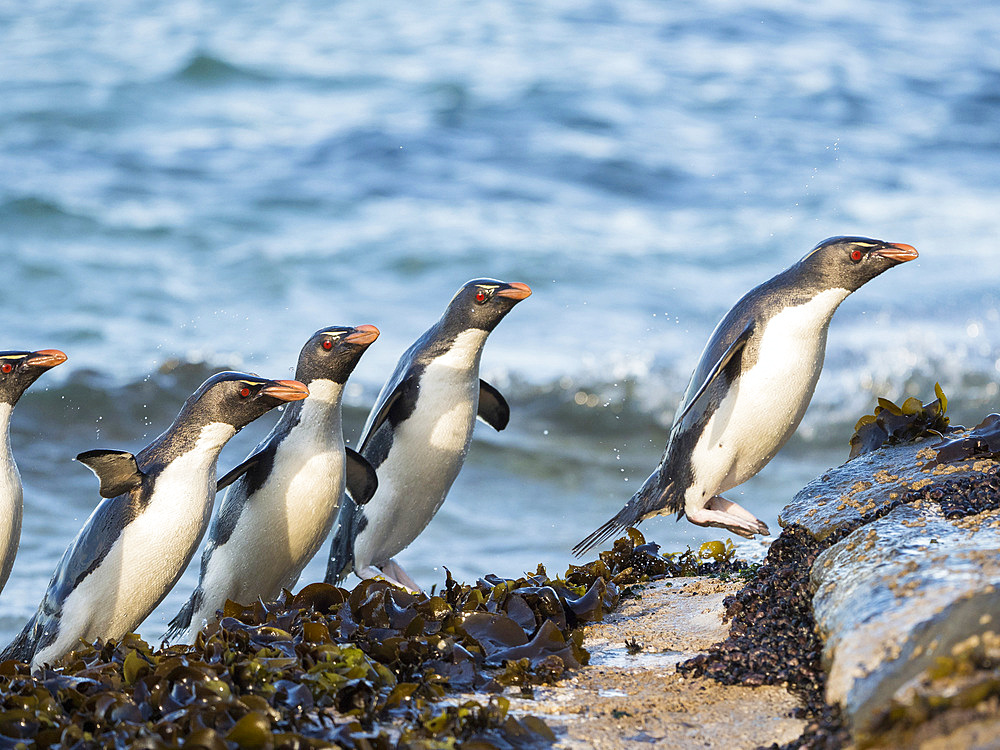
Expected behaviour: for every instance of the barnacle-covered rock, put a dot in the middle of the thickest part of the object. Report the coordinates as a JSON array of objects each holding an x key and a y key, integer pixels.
[
  {"x": 904, "y": 598},
  {"x": 874, "y": 483},
  {"x": 904, "y": 595}
]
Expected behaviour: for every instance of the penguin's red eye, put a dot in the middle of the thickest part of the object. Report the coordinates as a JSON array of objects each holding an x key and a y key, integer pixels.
[
  {"x": 244, "y": 392},
  {"x": 328, "y": 345},
  {"x": 7, "y": 367},
  {"x": 480, "y": 296},
  {"x": 856, "y": 255}
]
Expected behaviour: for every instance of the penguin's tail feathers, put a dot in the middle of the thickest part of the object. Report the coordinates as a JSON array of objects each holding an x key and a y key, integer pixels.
[
  {"x": 182, "y": 620},
  {"x": 342, "y": 547},
  {"x": 648, "y": 501},
  {"x": 22, "y": 648}
]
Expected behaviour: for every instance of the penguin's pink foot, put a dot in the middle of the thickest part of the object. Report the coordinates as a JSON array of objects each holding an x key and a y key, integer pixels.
[
  {"x": 392, "y": 571},
  {"x": 726, "y": 514}
]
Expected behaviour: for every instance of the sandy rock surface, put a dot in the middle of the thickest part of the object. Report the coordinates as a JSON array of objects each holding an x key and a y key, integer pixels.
[{"x": 624, "y": 700}]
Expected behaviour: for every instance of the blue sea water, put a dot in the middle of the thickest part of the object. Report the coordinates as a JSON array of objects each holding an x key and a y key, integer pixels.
[{"x": 192, "y": 186}]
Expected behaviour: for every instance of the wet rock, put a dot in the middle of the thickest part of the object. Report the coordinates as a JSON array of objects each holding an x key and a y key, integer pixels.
[
  {"x": 878, "y": 604},
  {"x": 874, "y": 483},
  {"x": 908, "y": 602}
]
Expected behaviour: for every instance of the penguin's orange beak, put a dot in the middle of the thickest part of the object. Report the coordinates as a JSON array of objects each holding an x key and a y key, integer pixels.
[
  {"x": 898, "y": 252},
  {"x": 286, "y": 390},
  {"x": 363, "y": 335},
  {"x": 516, "y": 290},
  {"x": 46, "y": 358}
]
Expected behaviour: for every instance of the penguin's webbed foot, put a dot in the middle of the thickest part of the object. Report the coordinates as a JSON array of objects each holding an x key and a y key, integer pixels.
[
  {"x": 726, "y": 514},
  {"x": 392, "y": 572}
]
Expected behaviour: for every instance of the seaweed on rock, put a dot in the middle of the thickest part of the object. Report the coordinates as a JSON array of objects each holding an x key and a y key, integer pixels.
[
  {"x": 892, "y": 424},
  {"x": 983, "y": 441}
]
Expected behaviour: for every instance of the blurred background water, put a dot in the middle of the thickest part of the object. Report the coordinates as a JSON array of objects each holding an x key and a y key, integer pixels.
[{"x": 196, "y": 185}]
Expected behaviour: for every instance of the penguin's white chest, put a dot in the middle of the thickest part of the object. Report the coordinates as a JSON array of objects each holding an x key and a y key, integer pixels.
[
  {"x": 286, "y": 520},
  {"x": 427, "y": 453},
  {"x": 149, "y": 554},
  {"x": 766, "y": 403},
  {"x": 298, "y": 503},
  {"x": 11, "y": 498}
]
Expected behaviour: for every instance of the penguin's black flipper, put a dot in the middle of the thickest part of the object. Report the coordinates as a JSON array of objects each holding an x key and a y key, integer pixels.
[
  {"x": 235, "y": 473},
  {"x": 117, "y": 470},
  {"x": 402, "y": 394},
  {"x": 493, "y": 408},
  {"x": 348, "y": 525},
  {"x": 727, "y": 356},
  {"x": 22, "y": 648},
  {"x": 361, "y": 478}
]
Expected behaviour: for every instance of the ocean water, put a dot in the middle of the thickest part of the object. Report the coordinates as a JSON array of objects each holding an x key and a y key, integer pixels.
[{"x": 194, "y": 186}]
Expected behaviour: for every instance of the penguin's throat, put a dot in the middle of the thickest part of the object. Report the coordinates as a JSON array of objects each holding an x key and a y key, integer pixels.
[
  {"x": 199, "y": 450},
  {"x": 5, "y": 412},
  {"x": 815, "y": 315},
  {"x": 10, "y": 480},
  {"x": 320, "y": 413},
  {"x": 213, "y": 437},
  {"x": 326, "y": 391},
  {"x": 465, "y": 352}
]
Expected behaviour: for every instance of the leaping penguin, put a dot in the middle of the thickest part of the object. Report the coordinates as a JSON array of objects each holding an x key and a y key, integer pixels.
[
  {"x": 139, "y": 539},
  {"x": 751, "y": 388},
  {"x": 418, "y": 433},
  {"x": 18, "y": 370},
  {"x": 283, "y": 499}
]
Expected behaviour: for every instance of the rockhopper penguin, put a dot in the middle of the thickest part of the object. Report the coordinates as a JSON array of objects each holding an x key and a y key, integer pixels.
[
  {"x": 139, "y": 539},
  {"x": 18, "y": 370},
  {"x": 418, "y": 433},
  {"x": 282, "y": 501},
  {"x": 751, "y": 388}
]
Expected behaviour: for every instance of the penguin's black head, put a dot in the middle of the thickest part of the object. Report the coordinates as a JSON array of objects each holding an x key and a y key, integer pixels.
[
  {"x": 333, "y": 353},
  {"x": 18, "y": 370},
  {"x": 237, "y": 398},
  {"x": 482, "y": 303},
  {"x": 850, "y": 262}
]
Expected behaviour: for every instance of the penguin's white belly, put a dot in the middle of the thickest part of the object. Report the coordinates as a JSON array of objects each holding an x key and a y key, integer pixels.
[
  {"x": 11, "y": 511},
  {"x": 282, "y": 526},
  {"x": 767, "y": 402},
  {"x": 11, "y": 498},
  {"x": 144, "y": 562},
  {"x": 426, "y": 455}
]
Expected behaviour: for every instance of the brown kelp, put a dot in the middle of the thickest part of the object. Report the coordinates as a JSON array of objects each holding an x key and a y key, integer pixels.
[
  {"x": 375, "y": 667},
  {"x": 891, "y": 424}
]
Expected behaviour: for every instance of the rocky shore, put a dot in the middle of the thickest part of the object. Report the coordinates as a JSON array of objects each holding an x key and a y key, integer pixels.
[
  {"x": 871, "y": 622},
  {"x": 874, "y": 618},
  {"x": 631, "y": 694}
]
